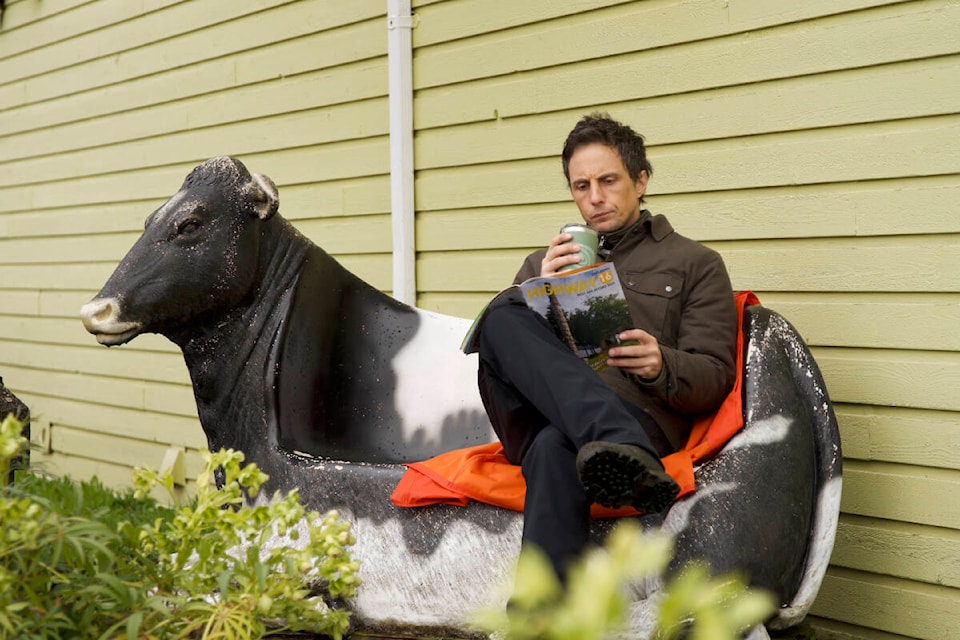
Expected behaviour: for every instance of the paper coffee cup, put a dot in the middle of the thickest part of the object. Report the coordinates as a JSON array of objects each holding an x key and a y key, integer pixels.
[{"x": 588, "y": 240}]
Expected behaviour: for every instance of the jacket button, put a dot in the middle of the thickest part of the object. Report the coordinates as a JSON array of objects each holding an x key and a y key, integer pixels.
[{"x": 668, "y": 288}]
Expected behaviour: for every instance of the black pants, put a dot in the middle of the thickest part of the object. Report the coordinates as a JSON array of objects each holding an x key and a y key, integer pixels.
[{"x": 544, "y": 404}]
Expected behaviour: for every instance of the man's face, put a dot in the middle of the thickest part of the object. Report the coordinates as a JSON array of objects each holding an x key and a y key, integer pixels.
[{"x": 606, "y": 196}]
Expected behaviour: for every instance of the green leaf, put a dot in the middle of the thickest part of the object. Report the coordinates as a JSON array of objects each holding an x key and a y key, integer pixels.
[{"x": 133, "y": 625}]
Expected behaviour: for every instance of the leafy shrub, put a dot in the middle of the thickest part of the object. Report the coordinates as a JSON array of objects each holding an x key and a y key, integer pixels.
[
  {"x": 213, "y": 568},
  {"x": 594, "y": 605}
]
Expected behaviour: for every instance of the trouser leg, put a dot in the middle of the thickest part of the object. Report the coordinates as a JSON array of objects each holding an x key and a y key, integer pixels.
[
  {"x": 545, "y": 403},
  {"x": 557, "y": 510},
  {"x": 529, "y": 378}
]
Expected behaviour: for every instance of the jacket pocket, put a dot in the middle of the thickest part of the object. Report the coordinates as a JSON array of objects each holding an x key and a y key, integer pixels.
[{"x": 655, "y": 302}]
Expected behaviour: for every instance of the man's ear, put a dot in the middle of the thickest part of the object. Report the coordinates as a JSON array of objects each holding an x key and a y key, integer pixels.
[
  {"x": 641, "y": 183},
  {"x": 264, "y": 195}
]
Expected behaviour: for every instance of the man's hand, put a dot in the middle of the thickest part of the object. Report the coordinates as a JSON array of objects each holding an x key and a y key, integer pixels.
[
  {"x": 642, "y": 359},
  {"x": 560, "y": 253}
]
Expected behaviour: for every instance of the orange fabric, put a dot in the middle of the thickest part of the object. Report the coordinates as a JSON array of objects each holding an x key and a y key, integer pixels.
[{"x": 483, "y": 472}]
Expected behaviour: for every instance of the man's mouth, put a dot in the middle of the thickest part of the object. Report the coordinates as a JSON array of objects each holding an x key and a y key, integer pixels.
[{"x": 599, "y": 216}]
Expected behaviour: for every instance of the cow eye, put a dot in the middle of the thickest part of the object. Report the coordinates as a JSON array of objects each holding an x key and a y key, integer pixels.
[{"x": 188, "y": 226}]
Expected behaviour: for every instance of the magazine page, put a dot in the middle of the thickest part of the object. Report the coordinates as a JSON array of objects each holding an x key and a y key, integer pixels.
[{"x": 586, "y": 307}]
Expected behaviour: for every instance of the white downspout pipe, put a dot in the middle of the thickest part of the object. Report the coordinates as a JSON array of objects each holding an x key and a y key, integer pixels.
[{"x": 400, "y": 71}]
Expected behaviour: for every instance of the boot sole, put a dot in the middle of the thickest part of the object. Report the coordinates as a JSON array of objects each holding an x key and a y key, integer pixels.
[{"x": 615, "y": 476}]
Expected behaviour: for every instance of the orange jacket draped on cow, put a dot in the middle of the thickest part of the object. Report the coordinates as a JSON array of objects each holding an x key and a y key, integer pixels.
[{"x": 483, "y": 472}]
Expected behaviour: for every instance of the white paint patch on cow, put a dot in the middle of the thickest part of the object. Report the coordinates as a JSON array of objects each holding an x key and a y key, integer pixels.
[
  {"x": 435, "y": 380},
  {"x": 678, "y": 518},
  {"x": 761, "y": 432},
  {"x": 470, "y": 568},
  {"x": 822, "y": 536},
  {"x": 171, "y": 206}
]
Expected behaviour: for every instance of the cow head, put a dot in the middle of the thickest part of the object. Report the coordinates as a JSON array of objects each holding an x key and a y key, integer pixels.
[{"x": 197, "y": 257}]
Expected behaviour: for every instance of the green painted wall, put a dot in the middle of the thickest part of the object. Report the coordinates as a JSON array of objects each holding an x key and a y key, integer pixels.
[{"x": 815, "y": 144}]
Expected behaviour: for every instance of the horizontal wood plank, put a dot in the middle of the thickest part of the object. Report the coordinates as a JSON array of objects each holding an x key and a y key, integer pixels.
[
  {"x": 88, "y": 86},
  {"x": 19, "y": 302},
  {"x": 467, "y": 271},
  {"x": 93, "y": 360},
  {"x": 899, "y": 492},
  {"x": 498, "y": 130},
  {"x": 854, "y": 320},
  {"x": 914, "y": 552},
  {"x": 328, "y": 162},
  {"x": 56, "y": 277},
  {"x": 48, "y": 304},
  {"x": 833, "y": 630},
  {"x": 69, "y": 22},
  {"x": 460, "y": 305},
  {"x": 110, "y": 448},
  {"x": 354, "y": 234},
  {"x": 822, "y": 156},
  {"x": 366, "y": 119},
  {"x": 882, "y": 265},
  {"x": 168, "y": 429},
  {"x": 893, "y": 434},
  {"x": 450, "y": 21},
  {"x": 68, "y": 248},
  {"x": 375, "y": 269},
  {"x": 172, "y": 38},
  {"x": 896, "y": 606},
  {"x": 174, "y": 399},
  {"x": 325, "y": 88},
  {"x": 114, "y": 476},
  {"x": 801, "y": 211},
  {"x": 345, "y": 197},
  {"x": 21, "y": 13},
  {"x": 858, "y": 38},
  {"x": 114, "y": 30},
  {"x": 59, "y": 330},
  {"x": 879, "y": 264},
  {"x": 918, "y": 379},
  {"x": 885, "y": 321}
]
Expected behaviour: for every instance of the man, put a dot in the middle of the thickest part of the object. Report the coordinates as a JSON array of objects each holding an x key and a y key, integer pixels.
[{"x": 581, "y": 437}]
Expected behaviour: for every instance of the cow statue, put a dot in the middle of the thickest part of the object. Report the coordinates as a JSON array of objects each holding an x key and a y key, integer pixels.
[{"x": 330, "y": 385}]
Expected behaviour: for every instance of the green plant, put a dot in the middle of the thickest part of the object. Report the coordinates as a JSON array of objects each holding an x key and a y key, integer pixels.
[
  {"x": 595, "y": 603},
  {"x": 213, "y": 568}
]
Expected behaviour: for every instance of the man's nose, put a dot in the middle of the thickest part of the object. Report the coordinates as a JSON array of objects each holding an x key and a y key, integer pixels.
[{"x": 596, "y": 196}]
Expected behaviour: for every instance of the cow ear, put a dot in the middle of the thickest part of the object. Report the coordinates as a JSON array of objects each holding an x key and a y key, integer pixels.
[{"x": 265, "y": 196}]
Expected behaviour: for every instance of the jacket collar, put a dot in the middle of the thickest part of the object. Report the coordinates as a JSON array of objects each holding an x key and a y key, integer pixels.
[{"x": 657, "y": 226}]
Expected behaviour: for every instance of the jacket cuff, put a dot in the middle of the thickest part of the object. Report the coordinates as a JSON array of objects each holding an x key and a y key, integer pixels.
[{"x": 659, "y": 383}]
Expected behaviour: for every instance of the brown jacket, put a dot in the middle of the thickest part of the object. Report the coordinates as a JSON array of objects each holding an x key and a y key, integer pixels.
[{"x": 678, "y": 290}]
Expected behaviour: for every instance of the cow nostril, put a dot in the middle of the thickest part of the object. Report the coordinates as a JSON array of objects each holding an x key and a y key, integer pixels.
[
  {"x": 103, "y": 313},
  {"x": 98, "y": 313}
]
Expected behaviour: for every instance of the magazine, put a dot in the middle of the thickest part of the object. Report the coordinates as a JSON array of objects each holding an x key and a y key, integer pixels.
[{"x": 586, "y": 307}]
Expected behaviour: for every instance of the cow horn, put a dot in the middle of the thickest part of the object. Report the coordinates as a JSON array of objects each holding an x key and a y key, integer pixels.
[{"x": 265, "y": 196}]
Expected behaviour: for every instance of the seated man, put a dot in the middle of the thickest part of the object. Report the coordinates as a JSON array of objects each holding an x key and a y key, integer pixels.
[{"x": 581, "y": 437}]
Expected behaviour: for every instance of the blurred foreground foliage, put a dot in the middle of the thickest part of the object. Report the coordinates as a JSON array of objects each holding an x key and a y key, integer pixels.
[
  {"x": 78, "y": 561},
  {"x": 695, "y": 605}
]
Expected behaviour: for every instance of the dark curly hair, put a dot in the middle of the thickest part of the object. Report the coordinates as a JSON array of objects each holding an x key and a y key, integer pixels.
[{"x": 601, "y": 128}]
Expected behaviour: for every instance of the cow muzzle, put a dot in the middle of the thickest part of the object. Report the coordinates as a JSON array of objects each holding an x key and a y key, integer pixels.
[{"x": 101, "y": 318}]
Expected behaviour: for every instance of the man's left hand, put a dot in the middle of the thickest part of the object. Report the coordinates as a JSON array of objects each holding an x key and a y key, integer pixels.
[{"x": 642, "y": 359}]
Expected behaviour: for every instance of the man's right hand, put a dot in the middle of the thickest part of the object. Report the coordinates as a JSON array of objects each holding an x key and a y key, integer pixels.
[{"x": 560, "y": 253}]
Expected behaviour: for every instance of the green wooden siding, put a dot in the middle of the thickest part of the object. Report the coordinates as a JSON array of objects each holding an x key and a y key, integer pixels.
[
  {"x": 815, "y": 144},
  {"x": 104, "y": 107}
]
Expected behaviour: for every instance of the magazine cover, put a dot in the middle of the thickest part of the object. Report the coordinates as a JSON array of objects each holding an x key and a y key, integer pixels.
[{"x": 586, "y": 307}]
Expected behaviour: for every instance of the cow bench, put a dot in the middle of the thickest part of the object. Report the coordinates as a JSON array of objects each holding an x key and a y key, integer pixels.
[{"x": 329, "y": 386}]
